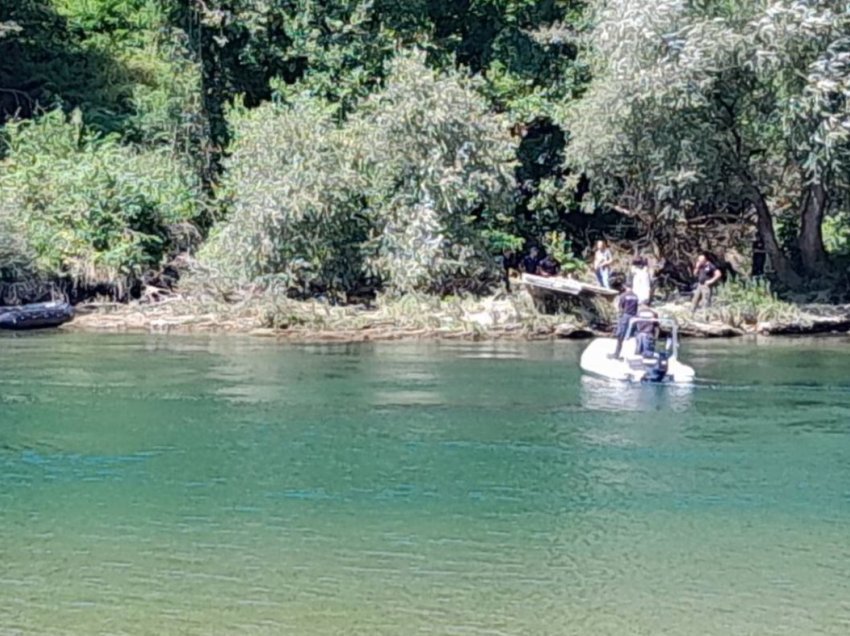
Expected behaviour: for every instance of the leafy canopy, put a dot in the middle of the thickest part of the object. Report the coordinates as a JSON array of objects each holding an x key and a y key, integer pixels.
[
  {"x": 397, "y": 195},
  {"x": 707, "y": 106}
]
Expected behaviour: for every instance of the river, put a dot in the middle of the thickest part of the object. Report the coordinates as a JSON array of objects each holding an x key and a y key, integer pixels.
[{"x": 181, "y": 485}]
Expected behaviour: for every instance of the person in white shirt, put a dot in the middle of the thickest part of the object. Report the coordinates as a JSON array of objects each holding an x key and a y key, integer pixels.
[
  {"x": 602, "y": 260},
  {"x": 642, "y": 280}
]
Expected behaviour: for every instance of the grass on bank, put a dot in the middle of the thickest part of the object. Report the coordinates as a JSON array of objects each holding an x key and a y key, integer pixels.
[
  {"x": 414, "y": 314},
  {"x": 745, "y": 302}
]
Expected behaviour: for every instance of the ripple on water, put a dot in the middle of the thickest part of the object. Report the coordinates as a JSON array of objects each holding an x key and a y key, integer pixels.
[{"x": 202, "y": 486}]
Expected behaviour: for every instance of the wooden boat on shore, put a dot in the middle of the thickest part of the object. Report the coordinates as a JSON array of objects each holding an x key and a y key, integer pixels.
[
  {"x": 35, "y": 316},
  {"x": 568, "y": 286}
]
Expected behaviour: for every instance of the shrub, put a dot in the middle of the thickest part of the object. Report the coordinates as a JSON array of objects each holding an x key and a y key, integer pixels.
[
  {"x": 399, "y": 195},
  {"x": 90, "y": 208},
  {"x": 561, "y": 248},
  {"x": 295, "y": 201},
  {"x": 19, "y": 279},
  {"x": 442, "y": 169},
  {"x": 750, "y": 301}
]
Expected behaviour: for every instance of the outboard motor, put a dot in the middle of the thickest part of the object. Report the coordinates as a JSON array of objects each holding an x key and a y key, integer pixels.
[{"x": 658, "y": 371}]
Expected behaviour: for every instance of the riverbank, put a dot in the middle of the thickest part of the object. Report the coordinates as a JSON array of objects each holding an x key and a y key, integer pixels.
[
  {"x": 408, "y": 318},
  {"x": 503, "y": 316}
]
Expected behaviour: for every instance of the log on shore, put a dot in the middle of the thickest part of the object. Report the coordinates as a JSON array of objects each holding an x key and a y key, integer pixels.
[
  {"x": 566, "y": 331},
  {"x": 808, "y": 325},
  {"x": 710, "y": 330}
]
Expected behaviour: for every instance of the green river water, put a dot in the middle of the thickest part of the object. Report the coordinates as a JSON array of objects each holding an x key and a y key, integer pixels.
[{"x": 177, "y": 485}]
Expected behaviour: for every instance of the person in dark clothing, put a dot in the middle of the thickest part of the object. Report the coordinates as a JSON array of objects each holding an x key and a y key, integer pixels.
[
  {"x": 531, "y": 263},
  {"x": 647, "y": 331},
  {"x": 510, "y": 262},
  {"x": 707, "y": 275},
  {"x": 549, "y": 267},
  {"x": 627, "y": 303}
]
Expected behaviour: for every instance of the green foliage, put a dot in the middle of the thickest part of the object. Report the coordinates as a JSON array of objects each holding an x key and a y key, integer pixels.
[
  {"x": 442, "y": 167},
  {"x": 340, "y": 49},
  {"x": 836, "y": 234},
  {"x": 293, "y": 193},
  {"x": 115, "y": 60},
  {"x": 499, "y": 241},
  {"x": 337, "y": 50},
  {"x": 743, "y": 301},
  {"x": 19, "y": 279},
  {"x": 729, "y": 107},
  {"x": 399, "y": 194},
  {"x": 561, "y": 248},
  {"x": 409, "y": 171},
  {"x": 91, "y": 208}
]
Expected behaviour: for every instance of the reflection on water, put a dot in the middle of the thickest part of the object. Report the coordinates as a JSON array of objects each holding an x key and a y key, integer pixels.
[
  {"x": 234, "y": 486},
  {"x": 600, "y": 394}
]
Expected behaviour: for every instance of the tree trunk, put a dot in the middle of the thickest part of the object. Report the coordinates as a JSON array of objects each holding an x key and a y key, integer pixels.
[
  {"x": 810, "y": 240},
  {"x": 781, "y": 265}
]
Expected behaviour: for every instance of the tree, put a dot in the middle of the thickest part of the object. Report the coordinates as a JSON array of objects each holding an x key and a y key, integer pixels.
[
  {"x": 732, "y": 107},
  {"x": 117, "y": 61},
  {"x": 397, "y": 196}
]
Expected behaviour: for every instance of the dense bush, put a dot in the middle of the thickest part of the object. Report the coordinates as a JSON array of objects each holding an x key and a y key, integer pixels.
[
  {"x": 91, "y": 208},
  {"x": 19, "y": 279},
  {"x": 398, "y": 195},
  {"x": 118, "y": 61},
  {"x": 750, "y": 301},
  {"x": 441, "y": 171},
  {"x": 292, "y": 184}
]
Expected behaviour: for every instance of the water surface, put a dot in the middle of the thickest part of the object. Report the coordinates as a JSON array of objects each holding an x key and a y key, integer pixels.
[{"x": 235, "y": 486}]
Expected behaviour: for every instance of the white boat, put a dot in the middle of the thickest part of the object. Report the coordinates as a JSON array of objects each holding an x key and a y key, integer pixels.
[{"x": 660, "y": 365}]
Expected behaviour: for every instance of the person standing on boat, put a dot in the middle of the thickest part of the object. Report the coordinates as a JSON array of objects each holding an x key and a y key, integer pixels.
[
  {"x": 628, "y": 304},
  {"x": 602, "y": 260},
  {"x": 642, "y": 280},
  {"x": 707, "y": 275}
]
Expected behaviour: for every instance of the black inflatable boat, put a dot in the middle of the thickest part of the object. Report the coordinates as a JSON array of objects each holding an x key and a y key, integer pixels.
[{"x": 37, "y": 316}]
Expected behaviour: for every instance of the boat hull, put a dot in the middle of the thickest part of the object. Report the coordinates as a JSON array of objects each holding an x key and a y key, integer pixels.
[
  {"x": 36, "y": 316},
  {"x": 597, "y": 359}
]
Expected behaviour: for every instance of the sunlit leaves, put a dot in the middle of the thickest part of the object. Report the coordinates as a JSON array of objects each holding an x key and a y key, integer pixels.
[
  {"x": 392, "y": 196},
  {"x": 703, "y": 105},
  {"x": 91, "y": 208}
]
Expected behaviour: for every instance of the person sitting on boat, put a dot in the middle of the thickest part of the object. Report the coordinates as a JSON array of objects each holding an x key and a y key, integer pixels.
[
  {"x": 627, "y": 303},
  {"x": 646, "y": 327},
  {"x": 549, "y": 267},
  {"x": 531, "y": 263}
]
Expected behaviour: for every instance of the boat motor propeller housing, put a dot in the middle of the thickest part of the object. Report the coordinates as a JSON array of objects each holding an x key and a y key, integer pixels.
[{"x": 658, "y": 371}]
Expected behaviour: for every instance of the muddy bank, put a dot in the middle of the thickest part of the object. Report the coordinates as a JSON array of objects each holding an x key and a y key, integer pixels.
[{"x": 496, "y": 318}]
